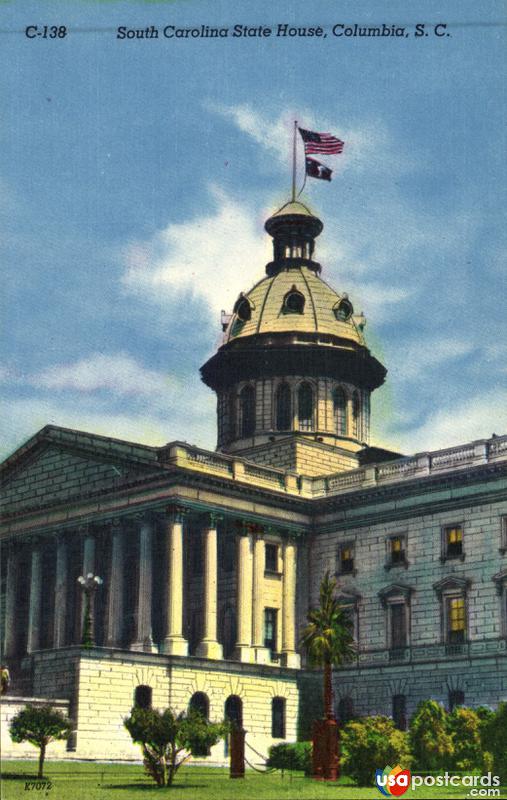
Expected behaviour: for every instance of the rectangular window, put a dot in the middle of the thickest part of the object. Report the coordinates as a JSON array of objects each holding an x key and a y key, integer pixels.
[
  {"x": 398, "y": 622},
  {"x": 271, "y": 558},
  {"x": 503, "y": 535},
  {"x": 397, "y": 550},
  {"x": 278, "y": 718},
  {"x": 270, "y": 629},
  {"x": 456, "y": 620},
  {"x": 400, "y": 711},
  {"x": 346, "y": 559},
  {"x": 453, "y": 541}
]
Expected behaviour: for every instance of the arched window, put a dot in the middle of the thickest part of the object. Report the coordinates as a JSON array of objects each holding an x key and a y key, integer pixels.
[
  {"x": 199, "y": 702},
  {"x": 345, "y": 709},
  {"x": 305, "y": 407},
  {"x": 356, "y": 414},
  {"x": 340, "y": 411},
  {"x": 283, "y": 412},
  {"x": 142, "y": 696},
  {"x": 233, "y": 713},
  {"x": 242, "y": 308},
  {"x": 278, "y": 718},
  {"x": 343, "y": 310},
  {"x": 232, "y": 415},
  {"x": 247, "y": 411},
  {"x": 456, "y": 698},
  {"x": 293, "y": 302}
]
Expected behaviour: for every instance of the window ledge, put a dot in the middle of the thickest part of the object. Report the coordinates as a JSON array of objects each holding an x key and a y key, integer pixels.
[
  {"x": 446, "y": 557},
  {"x": 272, "y": 573},
  {"x": 352, "y": 573},
  {"x": 394, "y": 565}
]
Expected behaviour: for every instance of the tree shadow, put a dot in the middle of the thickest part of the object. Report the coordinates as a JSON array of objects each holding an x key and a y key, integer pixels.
[{"x": 149, "y": 787}]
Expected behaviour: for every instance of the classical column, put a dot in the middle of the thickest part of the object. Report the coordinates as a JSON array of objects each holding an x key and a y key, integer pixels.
[
  {"x": 244, "y": 651},
  {"x": 144, "y": 639},
  {"x": 174, "y": 642},
  {"x": 114, "y": 624},
  {"x": 289, "y": 656},
  {"x": 61, "y": 579},
  {"x": 35, "y": 607},
  {"x": 11, "y": 607},
  {"x": 209, "y": 647},
  {"x": 262, "y": 654}
]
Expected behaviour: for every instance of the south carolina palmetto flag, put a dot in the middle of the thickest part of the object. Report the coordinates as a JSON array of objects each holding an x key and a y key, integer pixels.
[{"x": 319, "y": 143}]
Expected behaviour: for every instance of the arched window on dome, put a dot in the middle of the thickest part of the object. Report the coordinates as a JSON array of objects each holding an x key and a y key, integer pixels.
[
  {"x": 282, "y": 408},
  {"x": 242, "y": 308},
  {"x": 293, "y": 302},
  {"x": 340, "y": 411},
  {"x": 305, "y": 407},
  {"x": 356, "y": 414},
  {"x": 247, "y": 411}
]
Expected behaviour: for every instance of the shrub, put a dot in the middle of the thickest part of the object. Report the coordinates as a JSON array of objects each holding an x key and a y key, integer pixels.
[
  {"x": 494, "y": 737},
  {"x": 291, "y": 755},
  {"x": 464, "y": 726},
  {"x": 168, "y": 739},
  {"x": 371, "y": 743},
  {"x": 39, "y": 725},
  {"x": 430, "y": 740}
]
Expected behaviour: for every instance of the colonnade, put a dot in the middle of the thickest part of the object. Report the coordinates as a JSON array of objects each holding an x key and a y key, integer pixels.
[{"x": 250, "y": 587}]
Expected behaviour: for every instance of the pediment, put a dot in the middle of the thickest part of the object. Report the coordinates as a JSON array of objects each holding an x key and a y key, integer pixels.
[
  {"x": 451, "y": 583},
  {"x": 395, "y": 590},
  {"x": 55, "y": 466}
]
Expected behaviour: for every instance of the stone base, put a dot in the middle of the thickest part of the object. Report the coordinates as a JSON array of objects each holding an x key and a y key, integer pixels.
[
  {"x": 209, "y": 648},
  {"x": 144, "y": 647},
  {"x": 291, "y": 660},
  {"x": 175, "y": 646},
  {"x": 262, "y": 655},
  {"x": 244, "y": 653}
]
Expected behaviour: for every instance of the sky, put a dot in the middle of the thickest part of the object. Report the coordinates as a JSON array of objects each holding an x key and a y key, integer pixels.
[{"x": 136, "y": 176}]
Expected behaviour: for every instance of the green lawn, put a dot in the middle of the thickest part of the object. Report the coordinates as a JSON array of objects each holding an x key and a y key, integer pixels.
[{"x": 92, "y": 781}]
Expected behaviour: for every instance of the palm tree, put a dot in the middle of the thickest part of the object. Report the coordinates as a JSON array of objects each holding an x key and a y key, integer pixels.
[{"x": 328, "y": 637}]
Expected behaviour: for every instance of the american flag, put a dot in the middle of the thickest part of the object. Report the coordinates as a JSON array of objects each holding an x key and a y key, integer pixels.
[{"x": 321, "y": 142}]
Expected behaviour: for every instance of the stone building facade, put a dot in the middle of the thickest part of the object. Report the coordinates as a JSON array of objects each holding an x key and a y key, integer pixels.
[{"x": 211, "y": 560}]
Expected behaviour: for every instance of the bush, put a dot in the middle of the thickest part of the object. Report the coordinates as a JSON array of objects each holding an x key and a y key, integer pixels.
[
  {"x": 168, "y": 739},
  {"x": 494, "y": 737},
  {"x": 371, "y": 743},
  {"x": 430, "y": 740},
  {"x": 464, "y": 726},
  {"x": 39, "y": 725},
  {"x": 291, "y": 755}
]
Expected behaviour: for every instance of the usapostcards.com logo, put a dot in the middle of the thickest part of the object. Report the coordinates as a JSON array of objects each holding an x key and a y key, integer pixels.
[{"x": 392, "y": 781}]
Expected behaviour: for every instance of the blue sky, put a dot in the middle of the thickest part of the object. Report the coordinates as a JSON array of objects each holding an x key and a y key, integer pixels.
[{"x": 135, "y": 177}]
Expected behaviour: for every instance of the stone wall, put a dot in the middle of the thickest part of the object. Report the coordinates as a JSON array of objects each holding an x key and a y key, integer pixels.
[
  {"x": 9, "y": 707},
  {"x": 106, "y": 682}
]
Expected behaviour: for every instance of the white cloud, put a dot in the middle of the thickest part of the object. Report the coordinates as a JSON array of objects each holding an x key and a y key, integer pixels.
[
  {"x": 418, "y": 358},
  {"x": 212, "y": 257},
  {"x": 119, "y": 374},
  {"x": 476, "y": 417}
]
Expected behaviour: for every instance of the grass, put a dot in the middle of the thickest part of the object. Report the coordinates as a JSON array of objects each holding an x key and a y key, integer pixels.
[{"x": 95, "y": 781}]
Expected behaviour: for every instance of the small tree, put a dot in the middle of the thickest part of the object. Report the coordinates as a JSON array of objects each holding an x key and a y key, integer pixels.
[
  {"x": 39, "y": 725},
  {"x": 168, "y": 739},
  {"x": 430, "y": 740},
  {"x": 372, "y": 742}
]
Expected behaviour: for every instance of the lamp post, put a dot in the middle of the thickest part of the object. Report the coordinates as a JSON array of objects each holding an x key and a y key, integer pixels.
[{"x": 89, "y": 585}]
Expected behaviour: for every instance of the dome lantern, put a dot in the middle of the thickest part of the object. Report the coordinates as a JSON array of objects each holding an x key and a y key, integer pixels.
[{"x": 294, "y": 230}]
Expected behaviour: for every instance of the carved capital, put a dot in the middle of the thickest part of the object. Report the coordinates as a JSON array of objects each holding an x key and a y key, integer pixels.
[{"x": 176, "y": 514}]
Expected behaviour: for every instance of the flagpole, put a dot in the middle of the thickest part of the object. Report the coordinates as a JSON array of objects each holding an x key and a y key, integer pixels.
[{"x": 294, "y": 161}]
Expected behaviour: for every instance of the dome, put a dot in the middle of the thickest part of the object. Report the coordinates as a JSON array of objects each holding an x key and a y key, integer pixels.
[{"x": 291, "y": 301}]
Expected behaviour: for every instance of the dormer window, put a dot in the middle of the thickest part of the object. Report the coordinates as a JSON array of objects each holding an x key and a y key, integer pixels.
[
  {"x": 343, "y": 310},
  {"x": 242, "y": 308},
  {"x": 293, "y": 302}
]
